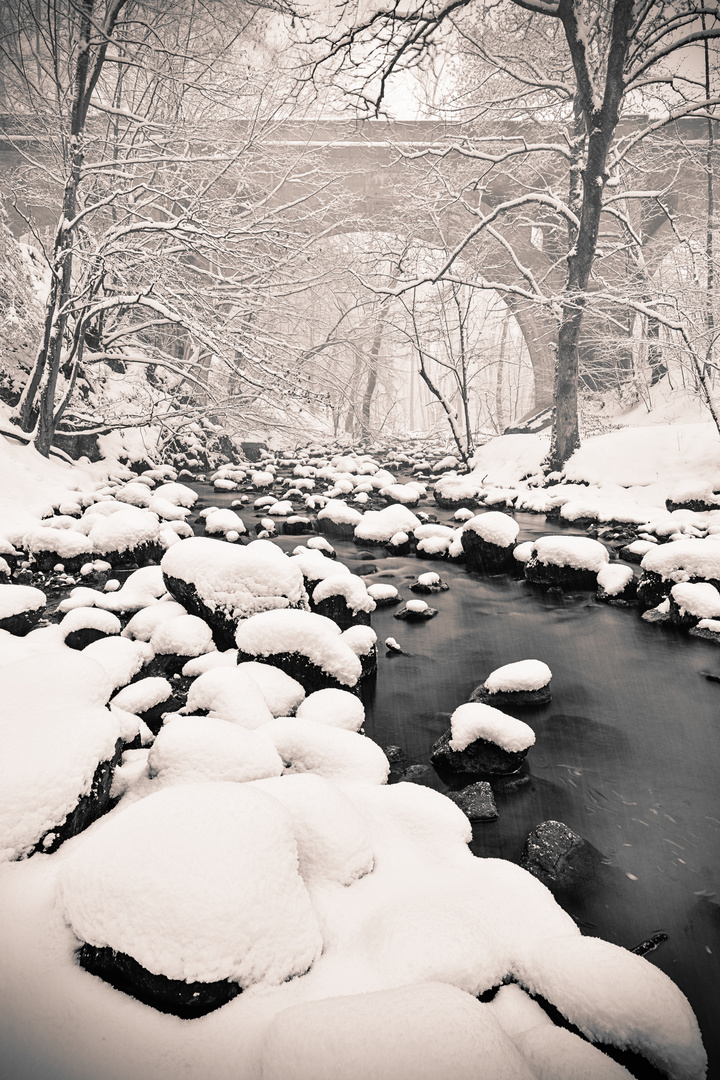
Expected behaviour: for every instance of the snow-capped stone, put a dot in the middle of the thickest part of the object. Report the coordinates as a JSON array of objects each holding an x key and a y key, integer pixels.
[
  {"x": 282, "y": 694},
  {"x": 224, "y": 522},
  {"x": 185, "y": 635},
  {"x": 144, "y": 622},
  {"x": 120, "y": 657},
  {"x": 477, "y": 721},
  {"x": 495, "y": 528},
  {"x": 197, "y": 882},
  {"x": 21, "y": 606},
  {"x": 699, "y": 599},
  {"x": 576, "y": 552},
  {"x": 521, "y": 675},
  {"x": 229, "y": 693},
  {"x": 339, "y": 513},
  {"x": 380, "y": 525},
  {"x": 303, "y": 634}
]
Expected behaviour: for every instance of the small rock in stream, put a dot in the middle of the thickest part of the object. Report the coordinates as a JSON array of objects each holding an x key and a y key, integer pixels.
[
  {"x": 476, "y": 801},
  {"x": 560, "y": 858}
]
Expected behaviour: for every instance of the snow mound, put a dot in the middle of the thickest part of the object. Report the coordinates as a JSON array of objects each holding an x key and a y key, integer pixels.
[
  {"x": 303, "y": 632},
  {"x": 613, "y": 578},
  {"x": 189, "y": 749},
  {"x": 120, "y": 657},
  {"x": 577, "y": 552},
  {"x": 350, "y": 587},
  {"x": 142, "y": 695},
  {"x": 614, "y": 996},
  {"x": 477, "y": 721},
  {"x": 700, "y": 599},
  {"x": 144, "y": 622},
  {"x": 338, "y": 708},
  {"x": 237, "y": 580},
  {"x": 522, "y": 675},
  {"x": 185, "y": 635},
  {"x": 196, "y": 882},
  {"x": 282, "y": 693},
  {"x": 332, "y": 752},
  {"x": 682, "y": 559},
  {"x": 495, "y": 527},
  {"x": 554, "y": 1053},
  {"x": 54, "y": 731},
  {"x": 339, "y": 513},
  {"x": 90, "y": 618},
  {"x": 17, "y": 599},
  {"x": 122, "y": 531},
  {"x": 231, "y": 694},
  {"x": 419, "y": 1032},
  {"x": 333, "y": 838},
  {"x": 224, "y": 522},
  {"x": 381, "y": 525}
]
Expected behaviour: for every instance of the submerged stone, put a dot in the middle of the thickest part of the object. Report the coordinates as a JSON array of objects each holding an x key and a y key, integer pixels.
[{"x": 560, "y": 858}]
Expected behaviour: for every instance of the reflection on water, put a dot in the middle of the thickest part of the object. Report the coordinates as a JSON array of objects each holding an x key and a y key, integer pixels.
[{"x": 626, "y": 752}]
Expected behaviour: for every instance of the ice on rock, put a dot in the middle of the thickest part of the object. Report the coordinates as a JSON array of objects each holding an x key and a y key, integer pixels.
[
  {"x": 338, "y": 708},
  {"x": 302, "y": 632},
  {"x": 144, "y": 622},
  {"x": 196, "y": 882},
  {"x": 495, "y": 527},
  {"x": 54, "y": 732},
  {"x": 522, "y": 675},
  {"x": 477, "y": 721},
  {"x": 350, "y": 587},
  {"x": 185, "y": 635},
  {"x": 189, "y": 749},
  {"x": 229, "y": 693},
  {"x": 237, "y": 580},
  {"x": 142, "y": 695},
  {"x": 333, "y": 838},
  {"x": 381, "y": 525},
  {"x": 419, "y": 1032},
  {"x": 282, "y": 693},
  {"x": 17, "y": 599},
  {"x": 120, "y": 657},
  {"x": 700, "y": 599},
  {"x": 332, "y": 752},
  {"x": 615, "y": 996},
  {"x": 577, "y": 552}
]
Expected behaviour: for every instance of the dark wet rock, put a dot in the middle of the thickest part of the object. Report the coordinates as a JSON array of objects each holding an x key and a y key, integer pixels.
[
  {"x": 700, "y": 506},
  {"x": 78, "y": 639},
  {"x": 560, "y": 858},
  {"x": 419, "y": 774},
  {"x": 21, "y": 623},
  {"x": 409, "y": 615},
  {"x": 567, "y": 578},
  {"x": 630, "y": 556},
  {"x": 679, "y": 617},
  {"x": 480, "y": 757},
  {"x": 398, "y": 762},
  {"x": 401, "y": 549},
  {"x": 337, "y": 609},
  {"x": 222, "y": 625},
  {"x": 165, "y": 665},
  {"x": 296, "y": 526},
  {"x": 340, "y": 530},
  {"x": 484, "y": 557},
  {"x": 447, "y": 503},
  {"x": 187, "y": 1000},
  {"x": 650, "y": 944},
  {"x": 476, "y": 801},
  {"x": 298, "y": 667},
  {"x": 627, "y": 597},
  {"x": 387, "y": 601},
  {"x": 659, "y": 615},
  {"x": 706, "y": 635},
  {"x": 89, "y": 807},
  {"x": 652, "y": 589},
  {"x": 510, "y": 699},
  {"x": 425, "y": 588}
]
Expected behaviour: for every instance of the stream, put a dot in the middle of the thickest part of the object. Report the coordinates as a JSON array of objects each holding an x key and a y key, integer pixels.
[{"x": 626, "y": 751}]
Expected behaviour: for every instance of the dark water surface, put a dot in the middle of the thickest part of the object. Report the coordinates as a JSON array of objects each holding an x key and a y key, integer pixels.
[{"x": 626, "y": 752}]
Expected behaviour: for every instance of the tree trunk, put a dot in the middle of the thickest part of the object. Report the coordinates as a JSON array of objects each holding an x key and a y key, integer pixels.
[{"x": 371, "y": 380}]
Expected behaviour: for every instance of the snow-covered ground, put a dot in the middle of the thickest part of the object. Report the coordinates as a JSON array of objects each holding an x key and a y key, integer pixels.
[{"x": 272, "y": 852}]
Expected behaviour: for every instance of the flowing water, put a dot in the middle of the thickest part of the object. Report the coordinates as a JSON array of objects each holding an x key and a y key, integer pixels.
[{"x": 626, "y": 752}]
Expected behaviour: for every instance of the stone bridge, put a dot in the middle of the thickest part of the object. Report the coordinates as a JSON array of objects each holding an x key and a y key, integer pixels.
[{"x": 418, "y": 180}]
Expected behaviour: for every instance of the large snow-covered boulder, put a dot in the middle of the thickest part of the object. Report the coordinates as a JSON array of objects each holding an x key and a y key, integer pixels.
[
  {"x": 488, "y": 540},
  {"x": 570, "y": 562},
  {"x": 379, "y": 526},
  {"x": 196, "y": 884},
  {"x": 224, "y": 584},
  {"x": 60, "y": 746},
  {"x": 231, "y": 694},
  {"x": 21, "y": 607},
  {"x": 189, "y": 749},
  {"x": 308, "y": 647},
  {"x": 344, "y": 599},
  {"x": 664, "y": 565},
  {"x": 335, "y": 753}
]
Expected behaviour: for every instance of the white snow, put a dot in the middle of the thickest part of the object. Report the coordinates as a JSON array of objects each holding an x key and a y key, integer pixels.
[
  {"x": 302, "y": 632},
  {"x": 185, "y": 635},
  {"x": 700, "y": 599},
  {"x": 120, "y": 658},
  {"x": 196, "y": 882},
  {"x": 380, "y": 591},
  {"x": 82, "y": 618},
  {"x": 614, "y": 577},
  {"x": 190, "y": 749},
  {"x": 332, "y": 752},
  {"x": 17, "y": 599},
  {"x": 236, "y": 580},
  {"x": 338, "y": 708},
  {"x": 417, "y": 606},
  {"x": 144, "y": 622},
  {"x": 142, "y": 695},
  {"x": 350, "y": 587},
  {"x": 495, "y": 528},
  {"x": 54, "y": 732},
  {"x": 231, "y": 694},
  {"x": 477, "y": 721},
  {"x": 282, "y": 693},
  {"x": 382, "y": 525},
  {"x": 224, "y": 521},
  {"x": 577, "y": 552},
  {"x": 521, "y": 675},
  {"x": 339, "y": 513},
  {"x": 429, "y": 578},
  {"x": 680, "y": 560}
]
